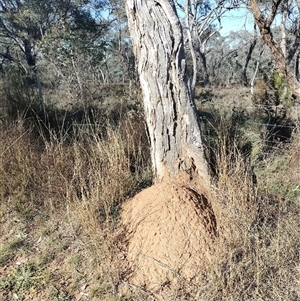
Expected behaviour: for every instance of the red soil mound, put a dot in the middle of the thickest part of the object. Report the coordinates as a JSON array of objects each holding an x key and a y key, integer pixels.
[{"x": 169, "y": 229}]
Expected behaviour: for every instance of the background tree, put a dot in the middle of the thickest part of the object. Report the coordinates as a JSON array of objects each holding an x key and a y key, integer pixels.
[
  {"x": 201, "y": 22},
  {"x": 248, "y": 57},
  {"x": 264, "y": 20},
  {"x": 48, "y": 38}
]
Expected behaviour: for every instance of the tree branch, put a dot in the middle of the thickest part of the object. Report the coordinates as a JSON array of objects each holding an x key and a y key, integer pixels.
[{"x": 273, "y": 13}]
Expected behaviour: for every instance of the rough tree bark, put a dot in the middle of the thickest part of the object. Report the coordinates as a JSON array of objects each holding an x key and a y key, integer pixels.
[
  {"x": 170, "y": 112},
  {"x": 264, "y": 25}
]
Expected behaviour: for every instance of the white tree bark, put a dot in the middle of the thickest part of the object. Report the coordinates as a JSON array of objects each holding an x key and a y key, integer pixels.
[
  {"x": 170, "y": 111},
  {"x": 283, "y": 26}
]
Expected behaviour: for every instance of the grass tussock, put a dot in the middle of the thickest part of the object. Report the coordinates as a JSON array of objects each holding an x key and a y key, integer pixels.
[
  {"x": 257, "y": 252},
  {"x": 59, "y": 216},
  {"x": 62, "y": 197},
  {"x": 257, "y": 208}
]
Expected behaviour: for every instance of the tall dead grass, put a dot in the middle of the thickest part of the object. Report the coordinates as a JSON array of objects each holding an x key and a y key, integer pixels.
[
  {"x": 83, "y": 182},
  {"x": 257, "y": 249}
]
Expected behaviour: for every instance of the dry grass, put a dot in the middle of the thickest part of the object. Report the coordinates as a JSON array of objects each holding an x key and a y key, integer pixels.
[
  {"x": 257, "y": 249},
  {"x": 257, "y": 256},
  {"x": 59, "y": 204},
  {"x": 65, "y": 195}
]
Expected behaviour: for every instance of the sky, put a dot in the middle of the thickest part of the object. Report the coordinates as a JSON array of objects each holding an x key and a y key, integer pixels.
[
  {"x": 240, "y": 19},
  {"x": 233, "y": 20},
  {"x": 236, "y": 20}
]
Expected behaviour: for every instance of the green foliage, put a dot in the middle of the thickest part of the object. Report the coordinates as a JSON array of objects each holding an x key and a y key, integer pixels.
[
  {"x": 272, "y": 102},
  {"x": 7, "y": 251},
  {"x": 59, "y": 295},
  {"x": 21, "y": 279},
  {"x": 283, "y": 92},
  {"x": 235, "y": 128},
  {"x": 27, "y": 25},
  {"x": 19, "y": 92},
  {"x": 272, "y": 93}
]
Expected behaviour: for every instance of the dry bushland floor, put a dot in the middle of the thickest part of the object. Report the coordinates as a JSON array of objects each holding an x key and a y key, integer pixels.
[{"x": 64, "y": 206}]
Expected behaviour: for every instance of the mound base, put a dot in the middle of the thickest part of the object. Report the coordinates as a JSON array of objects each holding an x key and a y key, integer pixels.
[{"x": 169, "y": 230}]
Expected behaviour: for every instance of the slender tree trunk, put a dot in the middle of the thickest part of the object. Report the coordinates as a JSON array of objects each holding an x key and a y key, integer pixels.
[
  {"x": 31, "y": 62},
  {"x": 206, "y": 80},
  {"x": 41, "y": 99},
  {"x": 170, "y": 111},
  {"x": 264, "y": 25},
  {"x": 297, "y": 67},
  {"x": 255, "y": 72},
  {"x": 295, "y": 46},
  {"x": 283, "y": 27},
  {"x": 191, "y": 46},
  {"x": 248, "y": 57}
]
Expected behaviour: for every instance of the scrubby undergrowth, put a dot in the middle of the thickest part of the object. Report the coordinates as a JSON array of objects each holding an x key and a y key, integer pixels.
[{"x": 59, "y": 215}]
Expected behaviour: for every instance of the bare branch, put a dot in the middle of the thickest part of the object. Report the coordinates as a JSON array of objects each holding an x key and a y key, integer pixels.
[{"x": 273, "y": 13}]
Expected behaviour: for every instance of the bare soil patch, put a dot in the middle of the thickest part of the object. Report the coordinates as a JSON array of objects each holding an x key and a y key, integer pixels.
[{"x": 170, "y": 228}]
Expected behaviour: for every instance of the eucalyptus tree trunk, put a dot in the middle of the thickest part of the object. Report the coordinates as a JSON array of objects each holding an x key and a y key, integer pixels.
[{"x": 170, "y": 111}]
